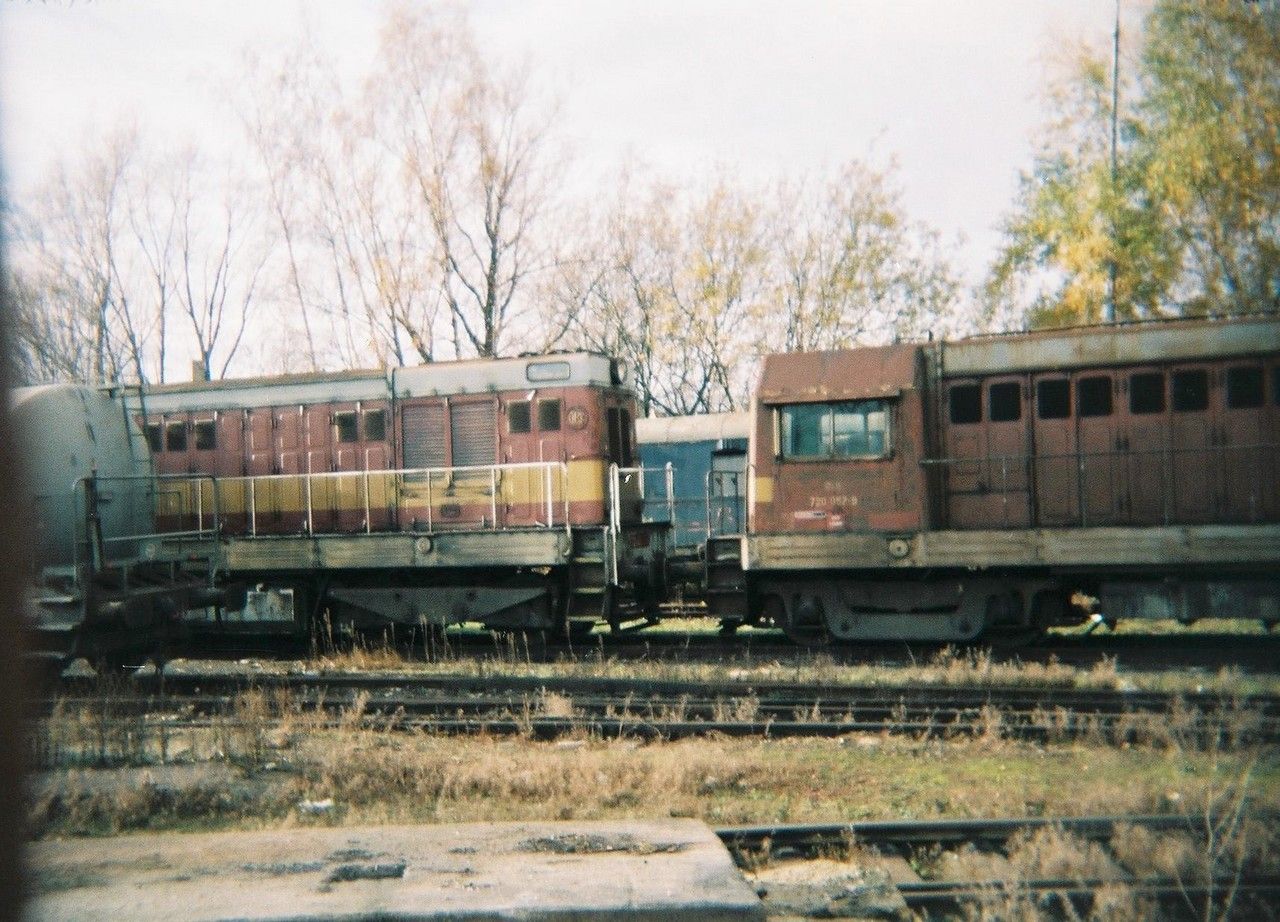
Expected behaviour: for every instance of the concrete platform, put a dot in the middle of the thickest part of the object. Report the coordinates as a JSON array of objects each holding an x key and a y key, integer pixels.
[{"x": 669, "y": 869}]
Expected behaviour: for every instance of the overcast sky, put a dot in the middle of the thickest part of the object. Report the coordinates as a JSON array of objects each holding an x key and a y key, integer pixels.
[{"x": 952, "y": 88}]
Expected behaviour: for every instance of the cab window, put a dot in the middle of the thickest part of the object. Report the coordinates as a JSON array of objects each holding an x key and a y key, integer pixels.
[{"x": 853, "y": 429}]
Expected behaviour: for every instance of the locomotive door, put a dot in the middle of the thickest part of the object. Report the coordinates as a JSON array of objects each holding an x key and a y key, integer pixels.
[
  {"x": 1006, "y": 476},
  {"x": 286, "y": 497},
  {"x": 1143, "y": 436},
  {"x": 1054, "y": 440},
  {"x": 319, "y": 490},
  {"x": 1244, "y": 428},
  {"x": 530, "y": 433},
  {"x": 1097, "y": 442},
  {"x": 1196, "y": 457}
]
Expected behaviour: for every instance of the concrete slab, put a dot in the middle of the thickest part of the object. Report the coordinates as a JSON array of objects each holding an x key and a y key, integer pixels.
[{"x": 632, "y": 870}]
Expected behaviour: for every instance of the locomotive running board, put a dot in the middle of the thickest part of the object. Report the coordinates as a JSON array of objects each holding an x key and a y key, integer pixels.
[
  {"x": 526, "y": 548},
  {"x": 1216, "y": 545}
]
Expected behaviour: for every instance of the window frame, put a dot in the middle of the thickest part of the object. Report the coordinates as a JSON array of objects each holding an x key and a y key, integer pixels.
[
  {"x": 366, "y": 415},
  {"x": 204, "y": 425},
  {"x": 830, "y": 436},
  {"x": 527, "y": 426},
  {"x": 1232, "y": 387},
  {"x": 1163, "y": 391},
  {"x": 1174, "y": 394},
  {"x": 1088, "y": 405},
  {"x": 548, "y": 403},
  {"x": 972, "y": 392},
  {"x": 176, "y": 426},
  {"x": 992, "y": 404},
  {"x": 338, "y": 430}
]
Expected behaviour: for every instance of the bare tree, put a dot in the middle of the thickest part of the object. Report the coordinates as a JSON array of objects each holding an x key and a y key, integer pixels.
[
  {"x": 474, "y": 146},
  {"x": 219, "y": 262},
  {"x": 67, "y": 244}
]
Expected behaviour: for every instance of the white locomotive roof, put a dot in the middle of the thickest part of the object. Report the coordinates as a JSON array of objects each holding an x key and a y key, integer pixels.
[
  {"x": 709, "y": 427},
  {"x": 439, "y": 378},
  {"x": 478, "y": 376}
]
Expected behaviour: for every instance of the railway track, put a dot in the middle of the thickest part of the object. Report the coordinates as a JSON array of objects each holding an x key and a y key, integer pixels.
[
  {"x": 752, "y": 843},
  {"x": 546, "y": 709}
]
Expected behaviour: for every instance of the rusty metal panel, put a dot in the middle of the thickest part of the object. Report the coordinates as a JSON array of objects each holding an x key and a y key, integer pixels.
[
  {"x": 1135, "y": 344},
  {"x": 1056, "y": 468},
  {"x": 1193, "y": 437},
  {"x": 474, "y": 433},
  {"x": 844, "y": 374}
]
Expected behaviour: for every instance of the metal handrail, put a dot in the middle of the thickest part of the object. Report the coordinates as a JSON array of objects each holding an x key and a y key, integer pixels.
[
  {"x": 431, "y": 475},
  {"x": 1027, "y": 464}
]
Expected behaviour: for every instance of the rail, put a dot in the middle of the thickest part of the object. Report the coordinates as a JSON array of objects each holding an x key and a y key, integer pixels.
[{"x": 1099, "y": 487}]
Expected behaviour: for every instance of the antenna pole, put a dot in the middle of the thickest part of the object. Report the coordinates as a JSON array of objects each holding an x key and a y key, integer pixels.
[{"x": 1110, "y": 316}]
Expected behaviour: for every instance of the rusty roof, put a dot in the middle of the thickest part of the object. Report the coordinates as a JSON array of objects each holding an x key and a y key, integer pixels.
[{"x": 842, "y": 374}]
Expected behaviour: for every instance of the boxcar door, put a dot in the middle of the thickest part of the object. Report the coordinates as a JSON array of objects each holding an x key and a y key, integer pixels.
[
  {"x": 1143, "y": 428},
  {"x": 1006, "y": 476},
  {"x": 1244, "y": 421},
  {"x": 1054, "y": 439},
  {"x": 1096, "y": 440},
  {"x": 1195, "y": 456}
]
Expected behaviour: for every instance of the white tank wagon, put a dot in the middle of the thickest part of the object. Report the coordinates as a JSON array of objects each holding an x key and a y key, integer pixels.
[
  {"x": 90, "y": 500},
  {"x": 71, "y": 435}
]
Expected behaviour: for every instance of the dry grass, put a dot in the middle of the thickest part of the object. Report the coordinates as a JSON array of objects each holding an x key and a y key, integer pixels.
[
  {"x": 950, "y": 666},
  {"x": 375, "y": 775}
]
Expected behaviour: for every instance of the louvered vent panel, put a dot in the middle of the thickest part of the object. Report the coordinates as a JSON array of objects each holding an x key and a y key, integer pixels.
[
  {"x": 474, "y": 434},
  {"x": 423, "y": 433}
]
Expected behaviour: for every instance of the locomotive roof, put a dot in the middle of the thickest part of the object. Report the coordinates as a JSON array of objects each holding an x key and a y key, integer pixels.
[
  {"x": 1112, "y": 344},
  {"x": 467, "y": 376},
  {"x": 840, "y": 374},
  {"x": 708, "y": 427}
]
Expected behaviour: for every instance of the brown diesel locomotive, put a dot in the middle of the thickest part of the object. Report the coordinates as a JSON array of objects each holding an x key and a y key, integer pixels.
[
  {"x": 499, "y": 491},
  {"x": 937, "y": 491}
]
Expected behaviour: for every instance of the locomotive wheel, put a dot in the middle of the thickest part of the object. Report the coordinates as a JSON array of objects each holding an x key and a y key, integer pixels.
[{"x": 805, "y": 622}]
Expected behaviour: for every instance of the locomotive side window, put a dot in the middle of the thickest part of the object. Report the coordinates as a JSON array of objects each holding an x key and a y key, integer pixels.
[
  {"x": 175, "y": 437},
  {"x": 1244, "y": 387},
  {"x": 858, "y": 429},
  {"x": 154, "y": 440},
  {"x": 345, "y": 425},
  {"x": 206, "y": 435},
  {"x": 549, "y": 415},
  {"x": 1275, "y": 386},
  {"x": 519, "y": 418},
  {"x": 1004, "y": 402},
  {"x": 1053, "y": 398},
  {"x": 1093, "y": 396},
  {"x": 966, "y": 404},
  {"x": 1190, "y": 391},
  {"x": 1146, "y": 393},
  {"x": 375, "y": 425}
]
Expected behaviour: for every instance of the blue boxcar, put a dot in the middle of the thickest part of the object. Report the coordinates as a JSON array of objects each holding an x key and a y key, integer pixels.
[{"x": 708, "y": 456}]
